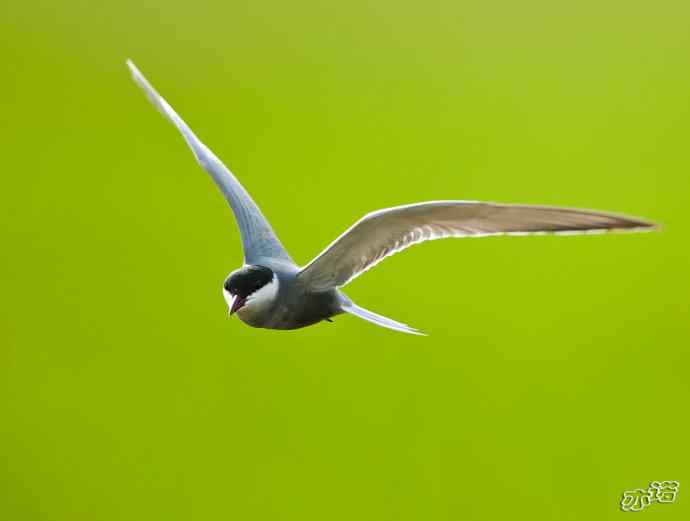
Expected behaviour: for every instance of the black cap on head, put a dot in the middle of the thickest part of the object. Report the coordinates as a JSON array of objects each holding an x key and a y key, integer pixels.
[{"x": 247, "y": 280}]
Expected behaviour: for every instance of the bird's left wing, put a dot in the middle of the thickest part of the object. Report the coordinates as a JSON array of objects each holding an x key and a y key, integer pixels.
[
  {"x": 259, "y": 241},
  {"x": 385, "y": 232}
]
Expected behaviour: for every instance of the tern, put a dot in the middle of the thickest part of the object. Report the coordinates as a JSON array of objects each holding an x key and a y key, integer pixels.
[{"x": 271, "y": 291}]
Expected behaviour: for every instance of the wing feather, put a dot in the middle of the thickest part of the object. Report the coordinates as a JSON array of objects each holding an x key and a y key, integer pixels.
[
  {"x": 258, "y": 238},
  {"x": 385, "y": 232}
]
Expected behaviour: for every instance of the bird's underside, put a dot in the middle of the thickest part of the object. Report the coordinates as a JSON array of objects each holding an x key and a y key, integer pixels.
[{"x": 374, "y": 237}]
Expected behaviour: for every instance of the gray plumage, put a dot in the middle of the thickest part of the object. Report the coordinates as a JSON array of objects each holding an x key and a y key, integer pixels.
[
  {"x": 271, "y": 291},
  {"x": 258, "y": 238}
]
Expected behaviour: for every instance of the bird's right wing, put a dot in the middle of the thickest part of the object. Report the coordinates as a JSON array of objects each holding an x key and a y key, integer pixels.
[
  {"x": 258, "y": 238},
  {"x": 385, "y": 232}
]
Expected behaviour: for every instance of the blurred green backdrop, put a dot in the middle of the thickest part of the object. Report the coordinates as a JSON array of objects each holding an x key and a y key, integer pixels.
[{"x": 556, "y": 373}]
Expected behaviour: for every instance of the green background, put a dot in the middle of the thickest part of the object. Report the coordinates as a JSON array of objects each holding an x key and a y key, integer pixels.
[{"x": 556, "y": 371}]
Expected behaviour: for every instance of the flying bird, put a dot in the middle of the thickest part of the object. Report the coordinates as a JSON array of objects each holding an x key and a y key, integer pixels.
[{"x": 271, "y": 291}]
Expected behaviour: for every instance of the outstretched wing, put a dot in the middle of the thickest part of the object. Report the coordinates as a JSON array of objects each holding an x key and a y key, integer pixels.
[
  {"x": 258, "y": 238},
  {"x": 385, "y": 232}
]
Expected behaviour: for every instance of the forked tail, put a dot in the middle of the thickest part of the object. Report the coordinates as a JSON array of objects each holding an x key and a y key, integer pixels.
[{"x": 374, "y": 318}]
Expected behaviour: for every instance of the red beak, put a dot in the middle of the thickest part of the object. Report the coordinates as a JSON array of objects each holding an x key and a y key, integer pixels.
[{"x": 237, "y": 303}]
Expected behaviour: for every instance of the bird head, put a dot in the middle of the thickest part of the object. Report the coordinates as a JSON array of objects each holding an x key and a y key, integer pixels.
[{"x": 249, "y": 287}]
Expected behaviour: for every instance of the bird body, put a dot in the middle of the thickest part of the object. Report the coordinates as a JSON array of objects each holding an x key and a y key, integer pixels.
[
  {"x": 284, "y": 302},
  {"x": 271, "y": 291}
]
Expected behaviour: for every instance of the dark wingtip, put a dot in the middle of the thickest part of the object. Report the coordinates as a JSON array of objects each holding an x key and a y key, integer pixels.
[{"x": 644, "y": 226}]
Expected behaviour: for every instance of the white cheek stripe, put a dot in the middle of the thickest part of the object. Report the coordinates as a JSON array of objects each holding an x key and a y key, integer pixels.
[{"x": 263, "y": 297}]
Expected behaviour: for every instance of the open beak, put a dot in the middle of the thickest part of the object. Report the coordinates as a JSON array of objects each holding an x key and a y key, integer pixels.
[{"x": 235, "y": 302}]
